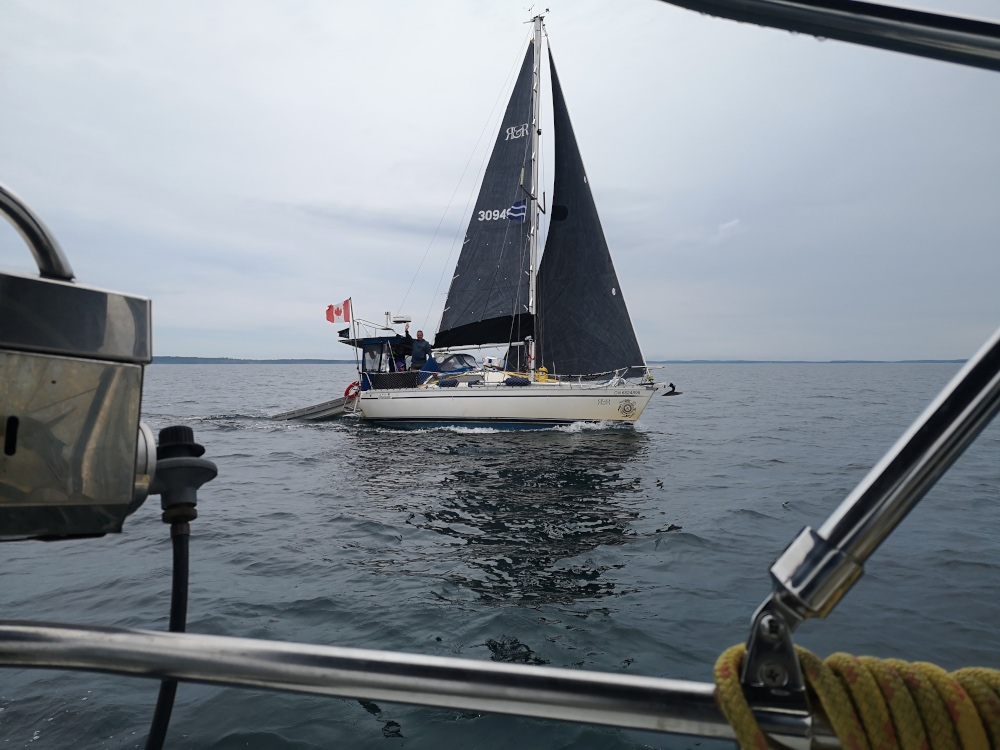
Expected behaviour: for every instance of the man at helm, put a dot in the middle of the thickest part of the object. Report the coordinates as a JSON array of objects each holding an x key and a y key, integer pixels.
[{"x": 421, "y": 349}]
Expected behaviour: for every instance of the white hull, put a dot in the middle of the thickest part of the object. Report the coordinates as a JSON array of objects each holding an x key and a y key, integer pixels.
[{"x": 536, "y": 405}]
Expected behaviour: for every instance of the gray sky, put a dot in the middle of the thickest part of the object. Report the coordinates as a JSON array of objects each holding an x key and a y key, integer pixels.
[{"x": 244, "y": 164}]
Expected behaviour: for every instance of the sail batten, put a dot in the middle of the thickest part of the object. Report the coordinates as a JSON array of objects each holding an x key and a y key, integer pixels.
[
  {"x": 583, "y": 325},
  {"x": 489, "y": 287}
]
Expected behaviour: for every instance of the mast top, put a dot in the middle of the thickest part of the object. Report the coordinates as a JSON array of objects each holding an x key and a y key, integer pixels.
[{"x": 538, "y": 16}]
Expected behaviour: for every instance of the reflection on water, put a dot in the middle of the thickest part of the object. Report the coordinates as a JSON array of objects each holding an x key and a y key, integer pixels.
[{"x": 519, "y": 511}]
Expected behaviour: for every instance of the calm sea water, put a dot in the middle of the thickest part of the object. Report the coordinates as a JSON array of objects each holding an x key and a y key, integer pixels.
[{"x": 643, "y": 551}]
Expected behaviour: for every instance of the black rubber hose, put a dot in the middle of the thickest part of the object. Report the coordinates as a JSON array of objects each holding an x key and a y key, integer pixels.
[{"x": 180, "y": 533}]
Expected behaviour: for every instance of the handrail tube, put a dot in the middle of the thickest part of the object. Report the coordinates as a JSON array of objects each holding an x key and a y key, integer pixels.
[
  {"x": 627, "y": 701},
  {"x": 918, "y": 459},
  {"x": 937, "y": 36},
  {"x": 818, "y": 568},
  {"x": 49, "y": 257}
]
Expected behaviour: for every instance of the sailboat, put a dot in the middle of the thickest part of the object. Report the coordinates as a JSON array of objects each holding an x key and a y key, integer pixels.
[{"x": 572, "y": 353}]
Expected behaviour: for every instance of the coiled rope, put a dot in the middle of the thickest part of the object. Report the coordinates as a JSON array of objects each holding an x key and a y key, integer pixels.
[{"x": 877, "y": 704}]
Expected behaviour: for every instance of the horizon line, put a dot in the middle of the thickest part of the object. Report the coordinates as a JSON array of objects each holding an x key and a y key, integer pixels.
[{"x": 168, "y": 359}]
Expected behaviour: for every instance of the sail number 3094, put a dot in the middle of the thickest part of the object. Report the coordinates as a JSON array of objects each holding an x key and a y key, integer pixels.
[{"x": 493, "y": 215}]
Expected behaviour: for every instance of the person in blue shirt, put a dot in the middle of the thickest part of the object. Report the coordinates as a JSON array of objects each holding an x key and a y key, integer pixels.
[{"x": 421, "y": 349}]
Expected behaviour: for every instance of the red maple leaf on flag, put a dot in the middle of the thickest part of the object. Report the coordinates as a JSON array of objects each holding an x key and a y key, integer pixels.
[{"x": 339, "y": 312}]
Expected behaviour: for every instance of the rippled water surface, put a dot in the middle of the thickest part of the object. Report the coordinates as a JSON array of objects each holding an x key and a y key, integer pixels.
[{"x": 640, "y": 550}]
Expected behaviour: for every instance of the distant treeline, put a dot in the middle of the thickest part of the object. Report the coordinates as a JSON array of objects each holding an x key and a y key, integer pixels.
[{"x": 229, "y": 361}]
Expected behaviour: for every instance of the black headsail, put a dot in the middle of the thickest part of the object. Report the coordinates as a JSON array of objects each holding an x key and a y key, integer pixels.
[
  {"x": 583, "y": 323},
  {"x": 488, "y": 298}
]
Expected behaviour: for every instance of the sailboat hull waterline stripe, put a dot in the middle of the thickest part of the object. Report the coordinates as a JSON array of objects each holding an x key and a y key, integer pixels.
[{"x": 541, "y": 403}]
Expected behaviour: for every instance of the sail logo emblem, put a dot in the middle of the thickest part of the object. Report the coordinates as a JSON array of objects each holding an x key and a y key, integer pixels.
[
  {"x": 516, "y": 131},
  {"x": 626, "y": 408}
]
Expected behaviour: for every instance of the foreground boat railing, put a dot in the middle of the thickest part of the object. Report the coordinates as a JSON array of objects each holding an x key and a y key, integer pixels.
[
  {"x": 819, "y": 567},
  {"x": 627, "y": 701},
  {"x": 51, "y": 260},
  {"x": 965, "y": 41},
  {"x": 458, "y": 684}
]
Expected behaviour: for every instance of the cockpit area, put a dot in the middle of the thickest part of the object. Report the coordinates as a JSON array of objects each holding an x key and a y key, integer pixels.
[{"x": 385, "y": 363}]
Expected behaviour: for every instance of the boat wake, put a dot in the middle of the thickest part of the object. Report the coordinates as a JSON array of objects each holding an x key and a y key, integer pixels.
[
  {"x": 594, "y": 426},
  {"x": 599, "y": 426}
]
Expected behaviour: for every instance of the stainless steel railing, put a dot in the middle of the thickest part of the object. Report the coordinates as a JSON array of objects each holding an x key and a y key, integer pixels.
[
  {"x": 49, "y": 256},
  {"x": 965, "y": 41},
  {"x": 628, "y": 701}
]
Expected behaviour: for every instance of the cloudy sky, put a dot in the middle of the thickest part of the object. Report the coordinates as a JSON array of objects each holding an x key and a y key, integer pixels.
[{"x": 246, "y": 163}]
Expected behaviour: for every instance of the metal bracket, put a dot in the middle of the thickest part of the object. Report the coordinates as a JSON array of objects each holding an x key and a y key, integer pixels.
[{"x": 772, "y": 677}]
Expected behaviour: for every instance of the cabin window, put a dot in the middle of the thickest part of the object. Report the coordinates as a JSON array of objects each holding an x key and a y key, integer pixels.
[
  {"x": 376, "y": 358},
  {"x": 454, "y": 362}
]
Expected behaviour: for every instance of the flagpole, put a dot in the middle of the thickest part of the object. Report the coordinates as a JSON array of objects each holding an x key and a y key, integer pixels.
[{"x": 357, "y": 353}]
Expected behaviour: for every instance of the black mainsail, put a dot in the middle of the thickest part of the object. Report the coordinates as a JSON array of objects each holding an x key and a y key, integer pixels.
[
  {"x": 488, "y": 299},
  {"x": 583, "y": 325}
]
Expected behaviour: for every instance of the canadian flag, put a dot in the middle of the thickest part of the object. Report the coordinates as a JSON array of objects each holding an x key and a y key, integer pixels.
[{"x": 341, "y": 312}]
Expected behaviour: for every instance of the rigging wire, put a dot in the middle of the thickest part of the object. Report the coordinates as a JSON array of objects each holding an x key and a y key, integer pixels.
[
  {"x": 482, "y": 169},
  {"x": 452, "y": 198}
]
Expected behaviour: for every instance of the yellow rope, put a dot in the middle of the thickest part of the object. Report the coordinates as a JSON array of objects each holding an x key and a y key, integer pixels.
[
  {"x": 931, "y": 708},
  {"x": 879, "y": 704},
  {"x": 909, "y": 732},
  {"x": 983, "y": 685}
]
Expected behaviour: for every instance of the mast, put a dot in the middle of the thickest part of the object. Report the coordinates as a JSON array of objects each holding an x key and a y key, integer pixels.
[{"x": 536, "y": 106}]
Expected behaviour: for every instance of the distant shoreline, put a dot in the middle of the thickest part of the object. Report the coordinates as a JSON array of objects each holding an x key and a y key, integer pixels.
[
  {"x": 230, "y": 361},
  {"x": 808, "y": 362}
]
